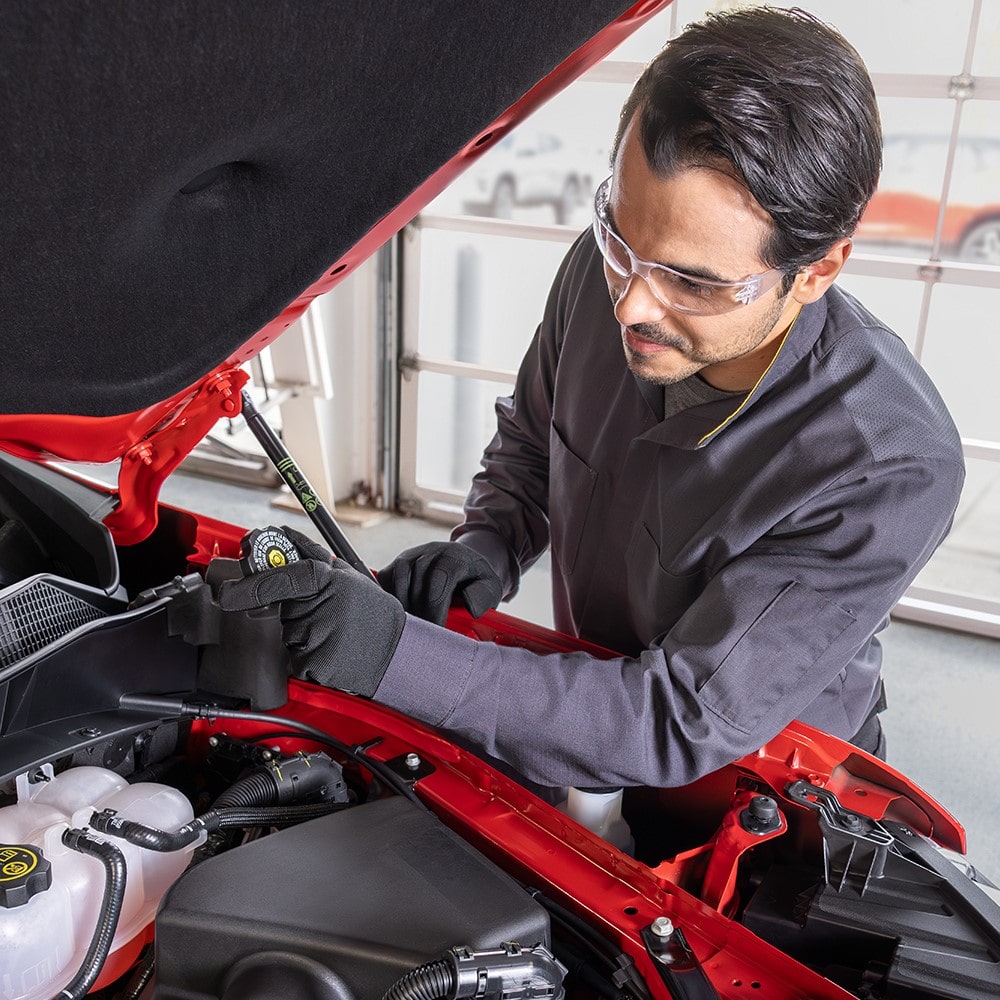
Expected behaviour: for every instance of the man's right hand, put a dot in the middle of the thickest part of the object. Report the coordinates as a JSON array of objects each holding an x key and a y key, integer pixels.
[{"x": 428, "y": 578}]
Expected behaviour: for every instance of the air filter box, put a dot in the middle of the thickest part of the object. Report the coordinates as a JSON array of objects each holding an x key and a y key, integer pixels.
[{"x": 339, "y": 908}]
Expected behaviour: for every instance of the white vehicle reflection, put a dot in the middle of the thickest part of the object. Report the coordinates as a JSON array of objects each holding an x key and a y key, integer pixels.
[{"x": 527, "y": 170}]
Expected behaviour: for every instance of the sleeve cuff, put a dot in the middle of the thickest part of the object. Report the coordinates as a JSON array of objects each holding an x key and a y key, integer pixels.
[{"x": 428, "y": 671}]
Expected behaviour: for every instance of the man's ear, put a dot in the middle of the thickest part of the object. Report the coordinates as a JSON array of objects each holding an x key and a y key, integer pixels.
[{"x": 815, "y": 278}]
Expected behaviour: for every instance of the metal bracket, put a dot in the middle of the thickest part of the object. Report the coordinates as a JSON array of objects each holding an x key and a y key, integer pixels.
[
  {"x": 410, "y": 766},
  {"x": 855, "y": 846},
  {"x": 676, "y": 963},
  {"x": 962, "y": 87}
]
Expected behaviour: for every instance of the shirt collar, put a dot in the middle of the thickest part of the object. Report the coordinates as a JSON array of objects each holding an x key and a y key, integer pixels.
[{"x": 698, "y": 426}]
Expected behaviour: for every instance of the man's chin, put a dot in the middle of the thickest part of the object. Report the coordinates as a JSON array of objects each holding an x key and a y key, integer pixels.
[{"x": 653, "y": 369}]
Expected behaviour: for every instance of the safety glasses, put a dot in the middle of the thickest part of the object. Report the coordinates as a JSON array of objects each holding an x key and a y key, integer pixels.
[{"x": 673, "y": 289}]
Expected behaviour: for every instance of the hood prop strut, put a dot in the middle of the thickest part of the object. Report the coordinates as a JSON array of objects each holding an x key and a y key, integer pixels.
[{"x": 301, "y": 489}]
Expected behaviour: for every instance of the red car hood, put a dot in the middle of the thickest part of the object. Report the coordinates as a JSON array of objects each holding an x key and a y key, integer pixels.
[{"x": 181, "y": 180}]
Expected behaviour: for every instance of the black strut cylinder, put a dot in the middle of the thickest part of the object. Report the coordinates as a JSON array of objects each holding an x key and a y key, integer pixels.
[{"x": 301, "y": 488}]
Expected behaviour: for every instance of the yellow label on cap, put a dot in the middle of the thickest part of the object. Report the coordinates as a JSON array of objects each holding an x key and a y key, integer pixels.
[{"x": 16, "y": 862}]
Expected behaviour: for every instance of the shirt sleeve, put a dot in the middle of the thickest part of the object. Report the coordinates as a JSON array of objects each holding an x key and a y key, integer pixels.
[{"x": 771, "y": 632}]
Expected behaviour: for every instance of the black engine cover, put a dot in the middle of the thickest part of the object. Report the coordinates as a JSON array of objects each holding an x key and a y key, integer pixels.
[{"x": 336, "y": 908}]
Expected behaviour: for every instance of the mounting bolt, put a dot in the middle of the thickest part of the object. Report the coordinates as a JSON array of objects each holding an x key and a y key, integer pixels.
[
  {"x": 89, "y": 731},
  {"x": 412, "y": 761},
  {"x": 223, "y": 385},
  {"x": 761, "y": 816},
  {"x": 213, "y": 741},
  {"x": 142, "y": 452},
  {"x": 266, "y": 755},
  {"x": 662, "y": 927}
]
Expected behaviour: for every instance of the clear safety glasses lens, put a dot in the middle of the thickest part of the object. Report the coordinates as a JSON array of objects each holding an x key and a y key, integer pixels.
[{"x": 673, "y": 289}]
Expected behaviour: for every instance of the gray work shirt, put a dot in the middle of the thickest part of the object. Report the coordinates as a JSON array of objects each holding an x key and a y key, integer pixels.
[{"x": 741, "y": 554}]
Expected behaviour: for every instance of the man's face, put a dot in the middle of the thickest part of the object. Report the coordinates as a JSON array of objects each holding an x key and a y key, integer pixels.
[{"x": 706, "y": 224}]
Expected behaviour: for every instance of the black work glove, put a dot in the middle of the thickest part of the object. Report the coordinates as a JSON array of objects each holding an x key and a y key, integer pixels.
[
  {"x": 340, "y": 628},
  {"x": 427, "y": 578}
]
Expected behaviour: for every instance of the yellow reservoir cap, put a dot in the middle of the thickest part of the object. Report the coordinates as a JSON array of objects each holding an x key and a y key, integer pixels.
[{"x": 24, "y": 872}]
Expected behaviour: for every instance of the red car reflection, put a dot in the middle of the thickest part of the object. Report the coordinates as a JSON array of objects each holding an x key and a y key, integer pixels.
[{"x": 903, "y": 216}]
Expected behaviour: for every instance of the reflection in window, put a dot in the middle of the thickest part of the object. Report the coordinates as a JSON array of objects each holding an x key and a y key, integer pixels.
[
  {"x": 972, "y": 222},
  {"x": 546, "y": 171}
]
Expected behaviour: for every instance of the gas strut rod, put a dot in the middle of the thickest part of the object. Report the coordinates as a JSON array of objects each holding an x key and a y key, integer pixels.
[{"x": 304, "y": 493}]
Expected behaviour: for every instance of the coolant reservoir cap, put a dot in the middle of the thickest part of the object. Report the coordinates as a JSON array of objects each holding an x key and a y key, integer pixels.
[{"x": 24, "y": 872}]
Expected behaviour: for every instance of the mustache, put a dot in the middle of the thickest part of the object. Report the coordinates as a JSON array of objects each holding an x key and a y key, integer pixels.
[{"x": 647, "y": 331}]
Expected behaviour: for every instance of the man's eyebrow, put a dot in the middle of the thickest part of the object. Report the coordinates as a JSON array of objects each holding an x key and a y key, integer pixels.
[{"x": 690, "y": 272}]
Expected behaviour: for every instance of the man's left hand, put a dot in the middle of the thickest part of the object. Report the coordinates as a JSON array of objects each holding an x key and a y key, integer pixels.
[{"x": 340, "y": 628}]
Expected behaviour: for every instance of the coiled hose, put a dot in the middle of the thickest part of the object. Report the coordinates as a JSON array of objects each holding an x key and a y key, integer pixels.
[
  {"x": 434, "y": 981},
  {"x": 254, "y": 790},
  {"x": 107, "y": 918}
]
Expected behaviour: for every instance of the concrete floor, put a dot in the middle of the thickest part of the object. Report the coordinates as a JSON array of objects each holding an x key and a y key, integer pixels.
[{"x": 943, "y": 687}]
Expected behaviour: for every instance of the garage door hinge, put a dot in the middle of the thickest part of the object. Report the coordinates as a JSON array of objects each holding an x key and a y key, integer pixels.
[{"x": 962, "y": 87}]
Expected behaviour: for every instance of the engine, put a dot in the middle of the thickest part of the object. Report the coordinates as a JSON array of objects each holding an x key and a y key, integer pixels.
[{"x": 287, "y": 883}]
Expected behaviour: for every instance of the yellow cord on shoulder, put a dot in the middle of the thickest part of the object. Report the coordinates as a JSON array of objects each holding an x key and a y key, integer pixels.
[{"x": 746, "y": 398}]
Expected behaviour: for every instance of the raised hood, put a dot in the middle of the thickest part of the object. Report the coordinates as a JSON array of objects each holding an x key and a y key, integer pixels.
[{"x": 182, "y": 178}]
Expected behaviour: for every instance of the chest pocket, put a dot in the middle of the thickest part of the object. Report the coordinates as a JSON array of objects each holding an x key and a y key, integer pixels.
[{"x": 571, "y": 489}]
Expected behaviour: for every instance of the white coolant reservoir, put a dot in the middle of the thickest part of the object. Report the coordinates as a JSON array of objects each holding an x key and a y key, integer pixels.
[
  {"x": 50, "y": 895},
  {"x": 601, "y": 812}
]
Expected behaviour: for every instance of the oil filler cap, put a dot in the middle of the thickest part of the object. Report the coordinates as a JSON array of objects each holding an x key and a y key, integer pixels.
[{"x": 23, "y": 873}]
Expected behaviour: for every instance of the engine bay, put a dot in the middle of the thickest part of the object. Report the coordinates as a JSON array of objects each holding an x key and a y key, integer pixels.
[{"x": 181, "y": 820}]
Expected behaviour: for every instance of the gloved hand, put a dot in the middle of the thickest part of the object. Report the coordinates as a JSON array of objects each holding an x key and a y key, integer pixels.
[
  {"x": 427, "y": 578},
  {"x": 340, "y": 628}
]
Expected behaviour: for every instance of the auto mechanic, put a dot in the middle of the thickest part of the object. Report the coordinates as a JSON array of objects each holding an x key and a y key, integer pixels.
[{"x": 738, "y": 468}]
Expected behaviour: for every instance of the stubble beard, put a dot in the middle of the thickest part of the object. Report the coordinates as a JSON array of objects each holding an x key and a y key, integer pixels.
[{"x": 643, "y": 365}]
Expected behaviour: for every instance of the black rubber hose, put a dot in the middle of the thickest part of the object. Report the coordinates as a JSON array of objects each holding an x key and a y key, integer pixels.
[
  {"x": 256, "y": 789},
  {"x": 140, "y": 978},
  {"x": 434, "y": 981},
  {"x": 215, "y": 819},
  {"x": 177, "y": 707},
  {"x": 107, "y": 918},
  {"x": 225, "y": 819},
  {"x": 108, "y": 822}
]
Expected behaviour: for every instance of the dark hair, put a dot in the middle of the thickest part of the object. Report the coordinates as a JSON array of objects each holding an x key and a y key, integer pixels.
[{"x": 787, "y": 102}]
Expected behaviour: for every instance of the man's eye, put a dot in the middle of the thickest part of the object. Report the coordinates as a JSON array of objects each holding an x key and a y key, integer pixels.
[
  {"x": 695, "y": 286},
  {"x": 688, "y": 285}
]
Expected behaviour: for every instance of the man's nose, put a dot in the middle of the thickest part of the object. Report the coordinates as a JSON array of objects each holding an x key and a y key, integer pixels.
[{"x": 637, "y": 304}]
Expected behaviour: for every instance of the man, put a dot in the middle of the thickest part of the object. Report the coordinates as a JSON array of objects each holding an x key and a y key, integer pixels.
[{"x": 739, "y": 470}]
